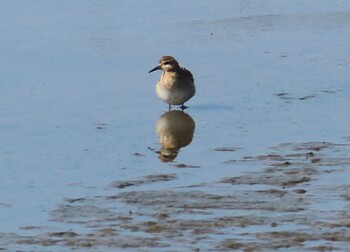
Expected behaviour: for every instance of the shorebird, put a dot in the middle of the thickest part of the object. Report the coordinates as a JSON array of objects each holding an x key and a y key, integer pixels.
[{"x": 176, "y": 84}]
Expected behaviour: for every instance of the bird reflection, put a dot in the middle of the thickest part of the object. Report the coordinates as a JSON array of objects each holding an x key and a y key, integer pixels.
[{"x": 175, "y": 130}]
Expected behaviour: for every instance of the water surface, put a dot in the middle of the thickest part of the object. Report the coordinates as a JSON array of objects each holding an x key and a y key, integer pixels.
[{"x": 89, "y": 160}]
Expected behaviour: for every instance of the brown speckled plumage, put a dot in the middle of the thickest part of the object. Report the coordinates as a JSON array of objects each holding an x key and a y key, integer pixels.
[{"x": 176, "y": 84}]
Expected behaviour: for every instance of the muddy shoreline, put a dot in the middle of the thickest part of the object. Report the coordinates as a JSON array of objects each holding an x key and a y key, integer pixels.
[{"x": 274, "y": 208}]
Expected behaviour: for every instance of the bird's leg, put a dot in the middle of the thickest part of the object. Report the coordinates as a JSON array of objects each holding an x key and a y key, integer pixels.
[{"x": 169, "y": 107}]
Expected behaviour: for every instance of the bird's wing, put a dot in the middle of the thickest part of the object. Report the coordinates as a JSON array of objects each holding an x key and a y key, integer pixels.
[{"x": 187, "y": 73}]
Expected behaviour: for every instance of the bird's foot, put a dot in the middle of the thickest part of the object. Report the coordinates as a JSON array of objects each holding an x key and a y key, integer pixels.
[{"x": 183, "y": 107}]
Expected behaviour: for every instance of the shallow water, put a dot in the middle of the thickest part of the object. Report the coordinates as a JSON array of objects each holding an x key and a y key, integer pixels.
[{"x": 92, "y": 160}]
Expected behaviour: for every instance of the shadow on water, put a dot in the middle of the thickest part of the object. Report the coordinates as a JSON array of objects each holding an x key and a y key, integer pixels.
[
  {"x": 175, "y": 130},
  {"x": 212, "y": 106}
]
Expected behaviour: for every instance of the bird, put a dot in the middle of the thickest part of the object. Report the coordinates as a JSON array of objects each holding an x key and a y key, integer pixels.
[{"x": 176, "y": 84}]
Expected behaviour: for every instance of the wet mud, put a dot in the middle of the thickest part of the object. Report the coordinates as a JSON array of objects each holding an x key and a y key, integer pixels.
[{"x": 292, "y": 203}]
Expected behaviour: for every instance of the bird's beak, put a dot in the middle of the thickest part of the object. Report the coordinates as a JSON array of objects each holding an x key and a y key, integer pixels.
[{"x": 154, "y": 69}]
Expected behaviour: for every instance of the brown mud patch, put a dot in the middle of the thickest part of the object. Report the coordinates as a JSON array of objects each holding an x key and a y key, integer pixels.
[{"x": 144, "y": 180}]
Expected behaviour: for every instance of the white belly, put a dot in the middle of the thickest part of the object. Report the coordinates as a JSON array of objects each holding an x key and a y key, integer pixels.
[{"x": 173, "y": 96}]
